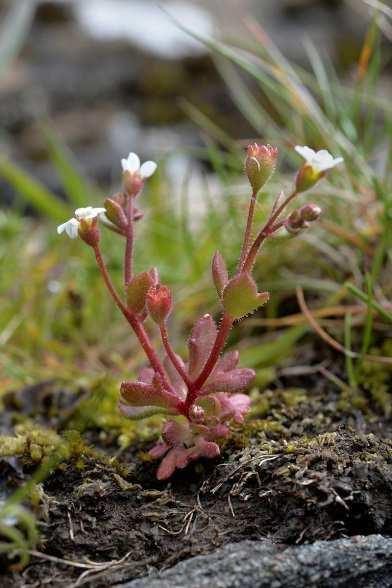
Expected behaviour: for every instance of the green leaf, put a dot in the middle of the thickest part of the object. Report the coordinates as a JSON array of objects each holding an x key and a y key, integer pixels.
[
  {"x": 369, "y": 300},
  {"x": 240, "y": 296}
]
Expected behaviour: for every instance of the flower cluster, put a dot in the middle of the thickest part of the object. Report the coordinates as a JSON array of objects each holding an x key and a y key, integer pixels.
[{"x": 204, "y": 394}]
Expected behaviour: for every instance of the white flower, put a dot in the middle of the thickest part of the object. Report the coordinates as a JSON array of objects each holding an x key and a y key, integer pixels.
[
  {"x": 132, "y": 165},
  {"x": 320, "y": 161},
  {"x": 71, "y": 226}
]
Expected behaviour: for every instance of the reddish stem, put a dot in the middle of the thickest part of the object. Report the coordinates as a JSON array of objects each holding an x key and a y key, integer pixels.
[
  {"x": 248, "y": 229},
  {"x": 172, "y": 355},
  {"x": 220, "y": 341},
  {"x": 129, "y": 241}
]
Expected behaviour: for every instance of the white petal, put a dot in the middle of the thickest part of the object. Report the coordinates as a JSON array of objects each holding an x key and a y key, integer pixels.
[
  {"x": 72, "y": 228},
  {"x": 133, "y": 163},
  {"x": 338, "y": 160},
  {"x": 323, "y": 154},
  {"x": 83, "y": 212},
  {"x": 88, "y": 212},
  {"x": 124, "y": 165},
  {"x": 147, "y": 169},
  {"x": 61, "y": 228},
  {"x": 324, "y": 161},
  {"x": 94, "y": 212},
  {"x": 306, "y": 152}
]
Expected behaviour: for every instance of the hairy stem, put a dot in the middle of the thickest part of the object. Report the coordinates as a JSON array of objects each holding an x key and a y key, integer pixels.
[{"x": 172, "y": 356}]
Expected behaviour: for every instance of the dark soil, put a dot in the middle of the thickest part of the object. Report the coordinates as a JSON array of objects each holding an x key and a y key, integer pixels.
[{"x": 306, "y": 467}]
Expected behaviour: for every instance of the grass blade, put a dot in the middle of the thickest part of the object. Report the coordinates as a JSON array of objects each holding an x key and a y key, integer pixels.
[
  {"x": 14, "y": 30},
  {"x": 33, "y": 192},
  {"x": 369, "y": 300}
]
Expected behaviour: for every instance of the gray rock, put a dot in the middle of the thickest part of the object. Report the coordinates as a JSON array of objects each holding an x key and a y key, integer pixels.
[{"x": 360, "y": 562}]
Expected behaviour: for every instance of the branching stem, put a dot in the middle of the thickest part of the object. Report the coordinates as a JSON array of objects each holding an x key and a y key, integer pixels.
[
  {"x": 264, "y": 233},
  {"x": 246, "y": 262}
]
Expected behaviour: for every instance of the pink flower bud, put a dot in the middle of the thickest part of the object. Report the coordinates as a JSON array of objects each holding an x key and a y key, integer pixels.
[
  {"x": 295, "y": 220},
  {"x": 159, "y": 303},
  {"x": 310, "y": 212},
  {"x": 260, "y": 164}
]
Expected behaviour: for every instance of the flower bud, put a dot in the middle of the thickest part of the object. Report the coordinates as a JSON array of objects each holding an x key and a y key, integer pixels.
[
  {"x": 115, "y": 212},
  {"x": 137, "y": 290},
  {"x": 133, "y": 183},
  {"x": 159, "y": 303},
  {"x": 310, "y": 212},
  {"x": 295, "y": 220},
  {"x": 89, "y": 231},
  {"x": 294, "y": 230},
  {"x": 260, "y": 164}
]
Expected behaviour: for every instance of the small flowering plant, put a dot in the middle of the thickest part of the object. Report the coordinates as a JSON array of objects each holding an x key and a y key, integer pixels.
[{"x": 204, "y": 394}]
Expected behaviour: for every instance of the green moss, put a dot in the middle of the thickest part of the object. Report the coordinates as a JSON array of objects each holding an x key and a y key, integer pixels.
[
  {"x": 260, "y": 404},
  {"x": 30, "y": 440},
  {"x": 292, "y": 397}
]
